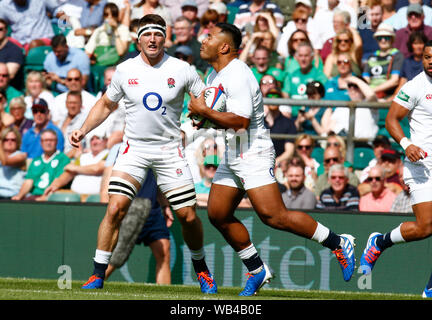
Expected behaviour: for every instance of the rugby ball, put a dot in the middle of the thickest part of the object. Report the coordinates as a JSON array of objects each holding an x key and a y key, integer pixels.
[{"x": 215, "y": 99}]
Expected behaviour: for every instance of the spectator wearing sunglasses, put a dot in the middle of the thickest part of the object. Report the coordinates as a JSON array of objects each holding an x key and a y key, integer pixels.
[
  {"x": 381, "y": 198},
  {"x": 382, "y": 69},
  {"x": 400, "y": 20},
  {"x": 31, "y": 143},
  {"x": 340, "y": 195},
  {"x": 332, "y": 155},
  {"x": 416, "y": 22}
]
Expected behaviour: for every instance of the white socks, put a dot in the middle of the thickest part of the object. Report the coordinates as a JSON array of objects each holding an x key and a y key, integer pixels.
[
  {"x": 321, "y": 233},
  {"x": 396, "y": 235},
  {"x": 102, "y": 257}
]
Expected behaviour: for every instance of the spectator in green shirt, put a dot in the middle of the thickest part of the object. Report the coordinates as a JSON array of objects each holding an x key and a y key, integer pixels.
[
  {"x": 43, "y": 169},
  {"x": 294, "y": 85},
  {"x": 261, "y": 65}
]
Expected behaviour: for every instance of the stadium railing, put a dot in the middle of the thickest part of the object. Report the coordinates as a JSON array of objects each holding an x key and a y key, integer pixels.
[{"x": 350, "y": 139}]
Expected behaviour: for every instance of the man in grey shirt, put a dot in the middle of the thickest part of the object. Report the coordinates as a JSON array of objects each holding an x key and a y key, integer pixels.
[{"x": 297, "y": 196}]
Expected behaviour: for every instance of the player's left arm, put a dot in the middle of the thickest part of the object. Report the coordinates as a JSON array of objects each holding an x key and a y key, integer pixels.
[{"x": 395, "y": 115}]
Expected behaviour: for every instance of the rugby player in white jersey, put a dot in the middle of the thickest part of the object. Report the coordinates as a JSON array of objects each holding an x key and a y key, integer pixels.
[
  {"x": 248, "y": 165},
  {"x": 152, "y": 86},
  {"x": 414, "y": 100}
]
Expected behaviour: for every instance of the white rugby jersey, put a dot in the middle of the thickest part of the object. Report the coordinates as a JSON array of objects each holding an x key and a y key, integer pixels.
[
  {"x": 243, "y": 98},
  {"x": 416, "y": 96},
  {"x": 153, "y": 97}
]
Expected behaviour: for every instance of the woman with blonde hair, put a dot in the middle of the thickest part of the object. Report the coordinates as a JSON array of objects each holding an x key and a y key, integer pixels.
[
  {"x": 36, "y": 89},
  {"x": 12, "y": 163},
  {"x": 343, "y": 43}
]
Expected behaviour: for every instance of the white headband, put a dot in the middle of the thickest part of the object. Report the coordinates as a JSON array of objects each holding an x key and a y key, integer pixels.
[{"x": 152, "y": 28}]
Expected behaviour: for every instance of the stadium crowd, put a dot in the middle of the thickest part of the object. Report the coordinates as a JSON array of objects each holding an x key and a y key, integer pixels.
[{"x": 57, "y": 57}]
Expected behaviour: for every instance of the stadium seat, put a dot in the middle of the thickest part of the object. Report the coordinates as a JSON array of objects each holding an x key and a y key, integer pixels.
[
  {"x": 93, "y": 198},
  {"x": 96, "y": 81},
  {"x": 35, "y": 58},
  {"x": 65, "y": 197},
  {"x": 318, "y": 154},
  {"x": 362, "y": 157}
]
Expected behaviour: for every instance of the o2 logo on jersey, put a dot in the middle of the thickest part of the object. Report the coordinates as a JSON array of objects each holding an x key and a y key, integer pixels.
[{"x": 152, "y": 101}]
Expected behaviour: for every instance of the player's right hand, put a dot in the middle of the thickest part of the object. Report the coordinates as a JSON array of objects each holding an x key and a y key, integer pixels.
[
  {"x": 415, "y": 153},
  {"x": 76, "y": 137}
]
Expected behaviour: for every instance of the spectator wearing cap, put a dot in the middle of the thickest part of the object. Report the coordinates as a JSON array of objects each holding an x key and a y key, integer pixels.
[
  {"x": 31, "y": 142},
  {"x": 185, "y": 53},
  {"x": 61, "y": 60},
  {"x": 184, "y": 36},
  {"x": 277, "y": 123},
  {"x": 391, "y": 164},
  {"x": 382, "y": 69},
  {"x": 380, "y": 198},
  {"x": 400, "y": 19},
  {"x": 221, "y": 9},
  {"x": 85, "y": 172},
  {"x": 189, "y": 10},
  {"x": 416, "y": 22}
]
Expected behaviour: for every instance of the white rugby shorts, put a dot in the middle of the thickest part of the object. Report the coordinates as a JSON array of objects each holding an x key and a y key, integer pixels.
[
  {"x": 167, "y": 162},
  {"x": 250, "y": 172},
  {"x": 418, "y": 177}
]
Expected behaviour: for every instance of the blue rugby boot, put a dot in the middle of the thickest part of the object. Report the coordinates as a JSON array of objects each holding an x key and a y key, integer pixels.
[
  {"x": 94, "y": 282},
  {"x": 370, "y": 254},
  {"x": 256, "y": 281},
  {"x": 345, "y": 256},
  {"x": 207, "y": 282},
  {"x": 427, "y": 293}
]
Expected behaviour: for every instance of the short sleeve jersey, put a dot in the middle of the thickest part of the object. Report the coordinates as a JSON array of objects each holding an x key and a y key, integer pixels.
[
  {"x": 243, "y": 98},
  {"x": 153, "y": 97},
  {"x": 43, "y": 172},
  {"x": 416, "y": 96}
]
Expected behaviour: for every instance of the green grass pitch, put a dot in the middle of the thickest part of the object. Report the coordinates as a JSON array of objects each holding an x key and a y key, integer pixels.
[{"x": 33, "y": 289}]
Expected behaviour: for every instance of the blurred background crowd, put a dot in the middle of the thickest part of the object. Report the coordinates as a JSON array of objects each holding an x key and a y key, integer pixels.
[{"x": 57, "y": 58}]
